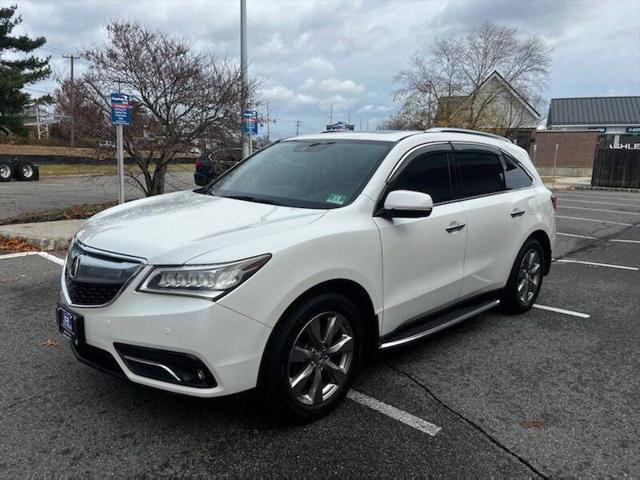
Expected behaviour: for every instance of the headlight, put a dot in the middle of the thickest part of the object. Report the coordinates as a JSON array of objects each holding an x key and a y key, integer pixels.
[{"x": 209, "y": 281}]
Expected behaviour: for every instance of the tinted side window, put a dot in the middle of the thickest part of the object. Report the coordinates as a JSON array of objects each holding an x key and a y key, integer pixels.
[
  {"x": 516, "y": 177},
  {"x": 481, "y": 172},
  {"x": 427, "y": 173}
]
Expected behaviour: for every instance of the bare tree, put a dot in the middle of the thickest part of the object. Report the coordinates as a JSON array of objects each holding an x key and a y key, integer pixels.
[
  {"x": 448, "y": 86},
  {"x": 179, "y": 96}
]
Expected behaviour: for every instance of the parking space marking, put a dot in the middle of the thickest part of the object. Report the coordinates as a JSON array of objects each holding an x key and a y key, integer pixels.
[
  {"x": 45, "y": 255},
  {"x": 393, "y": 412},
  {"x": 52, "y": 258},
  {"x": 561, "y": 310},
  {"x": 599, "y": 210},
  {"x": 621, "y": 240},
  {"x": 576, "y": 236},
  {"x": 572, "y": 200},
  {"x": 598, "y": 197},
  {"x": 621, "y": 267},
  {"x": 594, "y": 220}
]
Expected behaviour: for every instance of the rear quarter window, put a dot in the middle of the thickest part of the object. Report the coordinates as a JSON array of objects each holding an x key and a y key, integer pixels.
[{"x": 515, "y": 175}]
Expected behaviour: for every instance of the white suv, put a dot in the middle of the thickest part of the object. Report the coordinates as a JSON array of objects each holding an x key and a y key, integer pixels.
[{"x": 287, "y": 271}]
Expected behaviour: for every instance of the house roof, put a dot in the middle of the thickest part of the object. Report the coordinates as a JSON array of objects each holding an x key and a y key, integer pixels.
[
  {"x": 453, "y": 103},
  {"x": 513, "y": 91},
  {"x": 594, "y": 111}
]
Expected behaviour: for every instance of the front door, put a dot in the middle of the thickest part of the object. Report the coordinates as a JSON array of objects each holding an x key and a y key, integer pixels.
[{"x": 422, "y": 257}]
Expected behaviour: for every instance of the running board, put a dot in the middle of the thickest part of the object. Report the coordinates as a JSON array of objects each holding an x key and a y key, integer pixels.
[{"x": 446, "y": 321}]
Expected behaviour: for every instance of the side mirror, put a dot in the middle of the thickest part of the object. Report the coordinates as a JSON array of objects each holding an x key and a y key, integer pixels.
[{"x": 407, "y": 204}]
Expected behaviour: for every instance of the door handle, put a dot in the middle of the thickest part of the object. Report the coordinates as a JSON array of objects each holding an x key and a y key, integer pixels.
[
  {"x": 454, "y": 227},
  {"x": 517, "y": 212}
]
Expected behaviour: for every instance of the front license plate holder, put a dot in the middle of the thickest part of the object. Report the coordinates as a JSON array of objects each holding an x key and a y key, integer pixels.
[{"x": 70, "y": 324}]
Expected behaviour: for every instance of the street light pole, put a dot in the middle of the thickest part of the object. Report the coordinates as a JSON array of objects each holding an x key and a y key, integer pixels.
[{"x": 243, "y": 72}]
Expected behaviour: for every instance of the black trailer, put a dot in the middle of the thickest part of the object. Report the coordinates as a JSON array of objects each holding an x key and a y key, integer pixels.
[{"x": 22, "y": 170}]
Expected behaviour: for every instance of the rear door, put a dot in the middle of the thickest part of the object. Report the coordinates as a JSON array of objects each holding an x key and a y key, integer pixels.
[
  {"x": 493, "y": 236},
  {"x": 423, "y": 258}
]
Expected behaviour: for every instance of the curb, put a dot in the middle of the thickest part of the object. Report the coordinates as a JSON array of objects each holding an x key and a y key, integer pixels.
[
  {"x": 607, "y": 189},
  {"x": 45, "y": 244}
]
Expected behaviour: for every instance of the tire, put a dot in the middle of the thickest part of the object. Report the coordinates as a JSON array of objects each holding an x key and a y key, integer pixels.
[
  {"x": 6, "y": 172},
  {"x": 525, "y": 279},
  {"x": 25, "y": 171},
  {"x": 295, "y": 359}
]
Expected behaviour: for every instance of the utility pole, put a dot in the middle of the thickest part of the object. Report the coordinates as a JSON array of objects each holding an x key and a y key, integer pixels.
[
  {"x": 268, "y": 122},
  {"x": 331, "y": 115},
  {"x": 297, "y": 127},
  {"x": 243, "y": 73},
  {"x": 73, "y": 100}
]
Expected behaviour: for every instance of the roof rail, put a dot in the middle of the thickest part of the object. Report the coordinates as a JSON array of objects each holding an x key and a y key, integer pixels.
[{"x": 467, "y": 131}]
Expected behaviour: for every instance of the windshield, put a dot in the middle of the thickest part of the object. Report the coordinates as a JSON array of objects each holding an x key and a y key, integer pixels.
[{"x": 309, "y": 174}]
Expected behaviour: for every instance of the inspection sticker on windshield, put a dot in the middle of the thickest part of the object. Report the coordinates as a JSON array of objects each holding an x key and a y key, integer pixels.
[{"x": 336, "y": 198}]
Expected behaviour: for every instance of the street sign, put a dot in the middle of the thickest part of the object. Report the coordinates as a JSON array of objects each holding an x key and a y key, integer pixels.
[
  {"x": 120, "y": 109},
  {"x": 250, "y": 122},
  {"x": 633, "y": 129}
]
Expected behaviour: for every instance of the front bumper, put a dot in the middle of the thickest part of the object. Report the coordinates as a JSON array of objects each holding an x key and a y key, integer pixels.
[{"x": 229, "y": 343}]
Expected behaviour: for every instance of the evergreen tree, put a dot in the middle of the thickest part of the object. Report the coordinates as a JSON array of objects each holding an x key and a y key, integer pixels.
[{"x": 15, "y": 73}]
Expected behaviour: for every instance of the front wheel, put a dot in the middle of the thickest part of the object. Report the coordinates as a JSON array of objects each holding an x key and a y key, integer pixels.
[
  {"x": 312, "y": 356},
  {"x": 525, "y": 279}
]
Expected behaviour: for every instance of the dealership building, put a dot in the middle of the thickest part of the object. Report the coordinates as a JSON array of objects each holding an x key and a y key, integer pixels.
[{"x": 616, "y": 120}]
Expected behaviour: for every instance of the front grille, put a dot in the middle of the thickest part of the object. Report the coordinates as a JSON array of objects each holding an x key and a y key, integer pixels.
[
  {"x": 91, "y": 293},
  {"x": 93, "y": 278}
]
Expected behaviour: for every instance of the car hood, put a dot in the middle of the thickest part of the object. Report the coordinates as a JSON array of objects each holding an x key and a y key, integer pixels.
[{"x": 176, "y": 227}]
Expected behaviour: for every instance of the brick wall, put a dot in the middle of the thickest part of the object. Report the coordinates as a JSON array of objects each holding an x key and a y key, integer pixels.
[{"x": 576, "y": 150}]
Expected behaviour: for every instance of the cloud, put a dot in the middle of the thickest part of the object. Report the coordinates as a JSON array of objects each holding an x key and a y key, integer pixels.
[
  {"x": 310, "y": 55},
  {"x": 374, "y": 109}
]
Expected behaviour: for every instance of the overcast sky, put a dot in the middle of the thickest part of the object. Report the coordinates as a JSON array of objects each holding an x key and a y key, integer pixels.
[{"x": 312, "y": 54}]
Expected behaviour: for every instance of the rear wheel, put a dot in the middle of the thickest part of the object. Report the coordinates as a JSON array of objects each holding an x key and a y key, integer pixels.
[
  {"x": 25, "y": 171},
  {"x": 525, "y": 279},
  {"x": 312, "y": 356},
  {"x": 6, "y": 172}
]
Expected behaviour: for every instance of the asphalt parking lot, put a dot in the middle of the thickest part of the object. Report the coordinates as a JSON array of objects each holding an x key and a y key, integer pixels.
[
  {"x": 67, "y": 191},
  {"x": 552, "y": 393}
]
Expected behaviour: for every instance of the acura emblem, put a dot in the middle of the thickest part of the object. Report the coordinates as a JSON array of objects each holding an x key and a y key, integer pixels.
[{"x": 75, "y": 266}]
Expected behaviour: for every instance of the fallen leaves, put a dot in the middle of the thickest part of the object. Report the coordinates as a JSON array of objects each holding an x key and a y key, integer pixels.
[
  {"x": 15, "y": 245},
  {"x": 532, "y": 424},
  {"x": 49, "y": 343}
]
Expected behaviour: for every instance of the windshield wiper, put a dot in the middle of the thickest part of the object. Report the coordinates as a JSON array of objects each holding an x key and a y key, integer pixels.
[{"x": 249, "y": 198}]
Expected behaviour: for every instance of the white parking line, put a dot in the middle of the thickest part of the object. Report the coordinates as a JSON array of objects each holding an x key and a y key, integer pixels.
[
  {"x": 48, "y": 256},
  {"x": 594, "y": 220},
  {"x": 576, "y": 236},
  {"x": 52, "y": 258},
  {"x": 573, "y": 200},
  {"x": 598, "y": 197},
  {"x": 393, "y": 412},
  {"x": 621, "y": 267},
  {"x": 561, "y": 310},
  {"x": 599, "y": 210},
  {"x": 624, "y": 241}
]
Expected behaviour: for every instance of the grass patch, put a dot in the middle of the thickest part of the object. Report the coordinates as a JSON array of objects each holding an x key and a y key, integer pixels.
[
  {"x": 69, "y": 213},
  {"x": 61, "y": 169}
]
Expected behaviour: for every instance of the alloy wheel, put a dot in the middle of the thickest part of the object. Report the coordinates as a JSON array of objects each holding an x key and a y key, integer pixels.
[
  {"x": 320, "y": 359},
  {"x": 529, "y": 276},
  {"x": 27, "y": 171},
  {"x": 5, "y": 171}
]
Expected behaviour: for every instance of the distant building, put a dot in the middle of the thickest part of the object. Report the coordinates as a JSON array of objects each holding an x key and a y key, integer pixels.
[
  {"x": 499, "y": 106},
  {"x": 340, "y": 127},
  {"x": 616, "y": 120}
]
